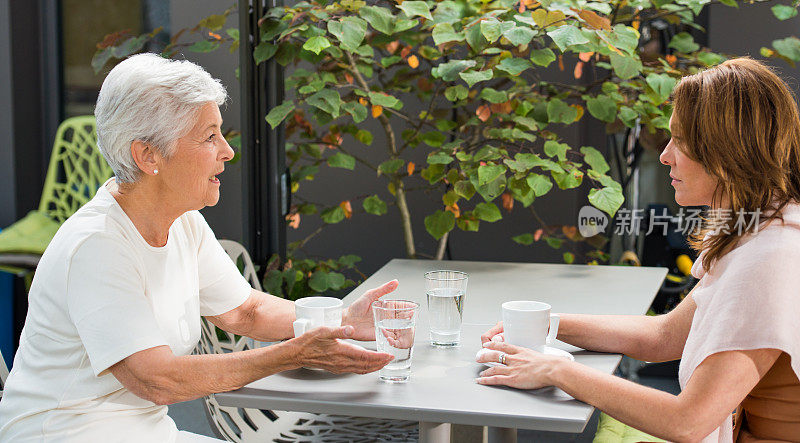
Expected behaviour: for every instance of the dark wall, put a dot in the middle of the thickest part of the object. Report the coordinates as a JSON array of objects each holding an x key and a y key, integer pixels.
[
  {"x": 226, "y": 217},
  {"x": 8, "y": 213}
]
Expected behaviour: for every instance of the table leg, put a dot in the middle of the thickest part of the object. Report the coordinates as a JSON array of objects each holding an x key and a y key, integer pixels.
[
  {"x": 434, "y": 432},
  {"x": 501, "y": 435}
]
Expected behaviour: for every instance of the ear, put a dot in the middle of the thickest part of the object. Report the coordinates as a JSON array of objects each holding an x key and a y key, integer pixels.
[{"x": 145, "y": 157}]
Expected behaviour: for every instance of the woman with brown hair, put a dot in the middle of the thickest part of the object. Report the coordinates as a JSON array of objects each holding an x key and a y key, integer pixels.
[{"x": 735, "y": 148}]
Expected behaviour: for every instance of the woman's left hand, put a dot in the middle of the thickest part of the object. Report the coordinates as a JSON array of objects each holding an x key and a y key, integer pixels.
[
  {"x": 359, "y": 314},
  {"x": 524, "y": 368}
]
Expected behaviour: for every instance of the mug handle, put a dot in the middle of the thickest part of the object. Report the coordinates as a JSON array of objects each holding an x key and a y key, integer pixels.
[
  {"x": 554, "y": 320},
  {"x": 300, "y": 326}
]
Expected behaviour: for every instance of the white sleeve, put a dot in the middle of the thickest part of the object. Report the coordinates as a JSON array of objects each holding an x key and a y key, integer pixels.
[
  {"x": 107, "y": 302},
  {"x": 222, "y": 286}
]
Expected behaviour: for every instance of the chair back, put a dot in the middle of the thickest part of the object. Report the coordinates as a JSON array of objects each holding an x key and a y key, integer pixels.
[
  {"x": 77, "y": 169},
  {"x": 3, "y": 374},
  {"x": 239, "y": 255}
]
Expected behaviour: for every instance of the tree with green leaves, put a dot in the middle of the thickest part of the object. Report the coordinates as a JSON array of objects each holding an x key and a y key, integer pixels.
[{"x": 489, "y": 124}]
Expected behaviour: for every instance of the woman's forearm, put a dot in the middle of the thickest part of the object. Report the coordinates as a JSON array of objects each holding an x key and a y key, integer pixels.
[
  {"x": 193, "y": 376},
  {"x": 655, "y": 412},
  {"x": 637, "y": 336}
]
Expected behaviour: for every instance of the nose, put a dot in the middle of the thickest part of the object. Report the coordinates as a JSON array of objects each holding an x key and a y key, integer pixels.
[
  {"x": 664, "y": 158},
  {"x": 226, "y": 153}
]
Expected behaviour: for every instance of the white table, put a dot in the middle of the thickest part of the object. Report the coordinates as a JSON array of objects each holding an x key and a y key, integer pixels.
[{"x": 442, "y": 388}]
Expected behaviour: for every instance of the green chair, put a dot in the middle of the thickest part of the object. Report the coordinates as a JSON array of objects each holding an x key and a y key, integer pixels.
[
  {"x": 611, "y": 430},
  {"x": 76, "y": 170}
]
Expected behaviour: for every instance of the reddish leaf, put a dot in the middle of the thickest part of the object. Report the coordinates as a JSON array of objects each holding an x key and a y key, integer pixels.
[
  {"x": 392, "y": 47},
  {"x": 483, "y": 112},
  {"x": 410, "y": 168},
  {"x": 363, "y": 101},
  {"x": 454, "y": 209},
  {"x": 585, "y": 56},
  {"x": 501, "y": 108},
  {"x": 215, "y": 35},
  {"x": 377, "y": 110},
  {"x": 594, "y": 20},
  {"x": 349, "y": 78},
  {"x": 424, "y": 85},
  {"x": 347, "y": 208},
  {"x": 538, "y": 234},
  {"x": 671, "y": 59},
  {"x": 413, "y": 61},
  {"x": 294, "y": 220},
  {"x": 578, "y": 72},
  {"x": 560, "y": 62},
  {"x": 405, "y": 52},
  {"x": 508, "y": 201}
]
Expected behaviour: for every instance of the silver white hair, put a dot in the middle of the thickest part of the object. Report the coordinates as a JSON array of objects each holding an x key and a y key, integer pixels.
[{"x": 151, "y": 99}]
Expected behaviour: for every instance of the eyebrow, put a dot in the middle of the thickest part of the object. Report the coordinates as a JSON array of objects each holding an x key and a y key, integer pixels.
[{"x": 212, "y": 125}]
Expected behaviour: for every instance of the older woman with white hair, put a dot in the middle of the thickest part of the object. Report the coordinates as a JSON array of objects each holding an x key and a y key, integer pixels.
[{"x": 115, "y": 306}]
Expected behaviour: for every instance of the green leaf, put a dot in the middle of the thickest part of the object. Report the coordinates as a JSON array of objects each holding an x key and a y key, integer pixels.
[
  {"x": 608, "y": 199},
  {"x": 374, "y": 205},
  {"x": 567, "y": 35},
  {"x": 449, "y": 71},
  {"x": 710, "y": 58},
  {"x": 349, "y": 260},
  {"x": 524, "y": 239},
  {"x": 379, "y": 18},
  {"x": 662, "y": 84},
  {"x": 333, "y": 215},
  {"x": 487, "y": 212},
  {"x": 683, "y": 42},
  {"x": 264, "y": 51},
  {"x": 390, "y": 166},
  {"x": 628, "y": 116},
  {"x": 327, "y": 100},
  {"x": 492, "y": 95},
  {"x": 595, "y": 159},
  {"x": 440, "y": 223},
  {"x": 385, "y": 100},
  {"x": 357, "y": 110},
  {"x": 555, "y": 149},
  {"x": 514, "y": 66},
  {"x": 434, "y": 138},
  {"x": 603, "y": 108},
  {"x": 465, "y": 189},
  {"x": 490, "y": 29},
  {"x": 444, "y": 33},
  {"x": 457, "y": 92},
  {"x": 475, "y": 38},
  {"x": 520, "y": 35},
  {"x": 554, "y": 242},
  {"x": 569, "y": 258},
  {"x": 278, "y": 113},
  {"x": 213, "y": 22},
  {"x": 364, "y": 136},
  {"x": 342, "y": 160},
  {"x": 543, "y": 57},
  {"x": 350, "y": 31},
  {"x": 540, "y": 184},
  {"x": 319, "y": 281},
  {"x": 316, "y": 44},
  {"x": 625, "y": 66},
  {"x": 203, "y": 46},
  {"x": 439, "y": 158},
  {"x": 560, "y": 112},
  {"x": 783, "y": 12},
  {"x": 788, "y": 47},
  {"x": 416, "y": 8},
  {"x": 623, "y": 37},
  {"x": 568, "y": 179},
  {"x": 488, "y": 173},
  {"x": 450, "y": 198},
  {"x": 472, "y": 77}
]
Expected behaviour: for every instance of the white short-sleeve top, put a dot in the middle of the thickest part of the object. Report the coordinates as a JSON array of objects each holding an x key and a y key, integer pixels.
[{"x": 100, "y": 294}]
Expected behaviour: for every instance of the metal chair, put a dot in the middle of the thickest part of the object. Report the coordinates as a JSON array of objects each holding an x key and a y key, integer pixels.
[{"x": 258, "y": 425}]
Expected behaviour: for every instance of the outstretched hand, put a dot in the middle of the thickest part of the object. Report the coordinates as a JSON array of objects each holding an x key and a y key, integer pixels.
[
  {"x": 359, "y": 314},
  {"x": 321, "y": 348}
]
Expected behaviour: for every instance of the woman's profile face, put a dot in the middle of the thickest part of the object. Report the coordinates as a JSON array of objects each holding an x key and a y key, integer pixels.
[
  {"x": 693, "y": 185},
  {"x": 199, "y": 157}
]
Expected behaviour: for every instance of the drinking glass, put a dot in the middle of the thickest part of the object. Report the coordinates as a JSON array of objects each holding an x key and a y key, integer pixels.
[
  {"x": 394, "y": 332},
  {"x": 445, "y": 291}
]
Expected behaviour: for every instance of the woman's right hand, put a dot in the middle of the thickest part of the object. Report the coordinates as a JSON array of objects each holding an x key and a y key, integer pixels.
[
  {"x": 321, "y": 348},
  {"x": 493, "y": 334}
]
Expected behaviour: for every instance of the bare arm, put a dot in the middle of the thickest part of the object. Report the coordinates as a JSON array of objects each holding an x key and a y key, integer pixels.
[
  {"x": 716, "y": 387},
  {"x": 262, "y": 316},
  {"x": 642, "y": 337},
  {"x": 157, "y": 375}
]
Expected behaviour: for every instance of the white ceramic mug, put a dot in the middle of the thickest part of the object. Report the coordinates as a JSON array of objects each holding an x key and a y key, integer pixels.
[
  {"x": 525, "y": 324},
  {"x": 313, "y": 312}
]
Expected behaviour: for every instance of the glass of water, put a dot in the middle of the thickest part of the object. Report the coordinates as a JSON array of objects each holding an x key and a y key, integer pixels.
[
  {"x": 445, "y": 291},
  {"x": 394, "y": 333}
]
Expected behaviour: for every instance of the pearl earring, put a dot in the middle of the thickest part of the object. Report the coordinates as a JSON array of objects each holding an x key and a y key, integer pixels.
[{"x": 155, "y": 171}]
